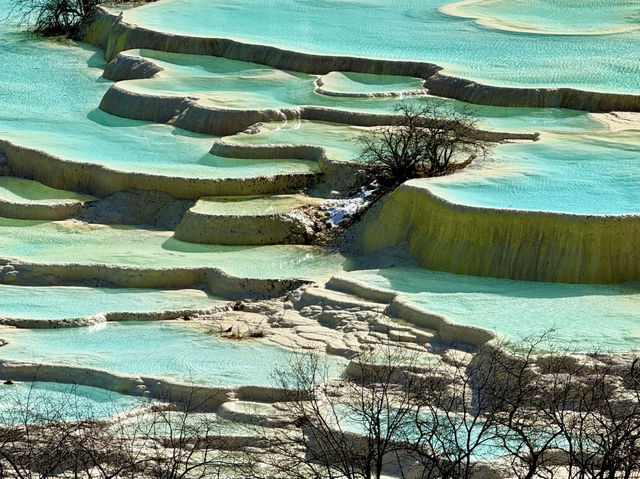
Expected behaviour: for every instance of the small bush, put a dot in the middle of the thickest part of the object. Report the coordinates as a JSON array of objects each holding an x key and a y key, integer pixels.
[
  {"x": 427, "y": 140},
  {"x": 53, "y": 17}
]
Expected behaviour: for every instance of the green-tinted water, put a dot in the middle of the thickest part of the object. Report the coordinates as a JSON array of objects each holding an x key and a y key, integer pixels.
[
  {"x": 362, "y": 83},
  {"x": 418, "y": 30},
  {"x": 42, "y": 402},
  {"x": 171, "y": 349},
  {"x": 59, "y": 302},
  {"x": 584, "y": 317},
  {"x": 577, "y": 173},
  {"x": 75, "y": 242},
  {"x": 252, "y": 205},
  {"x": 49, "y": 97},
  {"x": 19, "y": 190},
  {"x": 565, "y": 17},
  {"x": 340, "y": 141},
  {"x": 233, "y": 84}
]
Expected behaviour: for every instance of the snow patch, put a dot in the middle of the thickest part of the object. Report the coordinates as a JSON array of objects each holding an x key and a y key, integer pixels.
[{"x": 341, "y": 210}]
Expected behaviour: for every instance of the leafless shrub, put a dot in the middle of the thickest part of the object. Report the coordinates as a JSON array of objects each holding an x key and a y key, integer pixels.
[
  {"x": 156, "y": 440},
  {"x": 428, "y": 140}
]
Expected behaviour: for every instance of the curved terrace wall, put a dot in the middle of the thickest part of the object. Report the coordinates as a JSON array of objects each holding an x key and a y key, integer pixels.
[
  {"x": 186, "y": 113},
  {"x": 472, "y": 92},
  {"x": 237, "y": 230},
  {"x": 321, "y": 90},
  {"x": 130, "y": 67},
  {"x": 203, "y": 398},
  {"x": 515, "y": 244},
  {"x": 35, "y": 211},
  {"x": 27, "y": 323},
  {"x": 449, "y": 331},
  {"x": 114, "y": 36},
  {"x": 219, "y": 283},
  {"x": 242, "y": 288},
  {"x": 103, "y": 181},
  {"x": 339, "y": 174}
]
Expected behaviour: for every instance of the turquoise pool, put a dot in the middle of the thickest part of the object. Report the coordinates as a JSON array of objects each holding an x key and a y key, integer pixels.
[
  {"x": 60, "y": 302},
  {"x": 419, "y": 30},
  {"x": 578, "y": 166},
  {"x": 366, "y": 84},
  {"x": 565, "y": 17},
  {"x": 60, "y": 116},
  {"x": 173, "y": 349},
  {"x": 583, "y": 317},
  {"x": 49, "y": 97},
  {"x": 231, "y": 84},
  {"x": 21, "y": 191},
  {"x": 44, "y": 401},
  {"x": 75, "y": 242},
  {"x": 579, "y": 173}
]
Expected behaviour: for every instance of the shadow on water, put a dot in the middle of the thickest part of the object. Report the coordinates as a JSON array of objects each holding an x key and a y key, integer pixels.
[
  {"x": 172, "y": 244},
  {"x": 105, "y": 119},
  {"x": 414, "y": 280}
]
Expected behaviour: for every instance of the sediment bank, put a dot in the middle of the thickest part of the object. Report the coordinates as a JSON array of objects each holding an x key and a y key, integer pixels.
[
  {"x": 102, "y": 181},
  {"x": 503, "y": 243},
  {"x": 220, "y": 284},
  {"x": 113, "y": 35}
]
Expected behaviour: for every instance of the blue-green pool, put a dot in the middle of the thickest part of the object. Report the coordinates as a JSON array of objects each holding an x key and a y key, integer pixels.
[
  {"x": 76, "y": 242},
  {"x": 419, "y": 30},
  {"x": 49, "y": 97},
  {"x": 39, "y": 401},
  {"x": 231, "y": 84},
  {"x": 173, "y": 349},
  {"x": 576, "y": 173},
  {"x": 564, "y": 17},
  {"x": 60, "y": 302},
  {"x": 583, "y": 317}
]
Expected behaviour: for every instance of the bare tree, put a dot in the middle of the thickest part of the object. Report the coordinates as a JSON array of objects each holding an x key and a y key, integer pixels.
[
  {"x": 352, "y": 428},
  {"x": 457, "y": 419},
  {"x": 53, "y": 17},
  {"x": 62, "y": 436},
  {"x": 36, "y": 439},
  {"x": 155, "y": 440},
  {"x": 564, "y": 410},
  {"x": 432, "y": 139},
  {"x": 600, "y": 419},
  {"x": 188, "y": 443},
  {"x": 393, "y": 410},
  {"x": 517, "y": 396}
]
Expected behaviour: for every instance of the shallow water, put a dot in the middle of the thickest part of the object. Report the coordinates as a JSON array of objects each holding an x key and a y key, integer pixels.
[
  {"x": 133, "y": 146},
  {"x": 250, "y": 89},
  {"x": 44, "y": 401},
  {"x": 586, "y": 173},
  {"x": 584, "y": 317},
  {"x": 59, "y": 302},
  {"x": 362, "y": 83},
  {"x": 564, "y": 17},
  {"x": 49, "y": 94},
  {"x": 19, "y": 190},
  {"x": 352, "y": 418},
  {"x": 75, "y": 242},
  {"x": 340, "y": 141},
  {"x": 233, "y": 84},
  {"x": 417, "y": 30},
  {"x": 165, "y": 348},
  {"x": 49, "y": 97},
  {"x": 251, "y": 205},
  {"x": 176, "y": 64}
]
